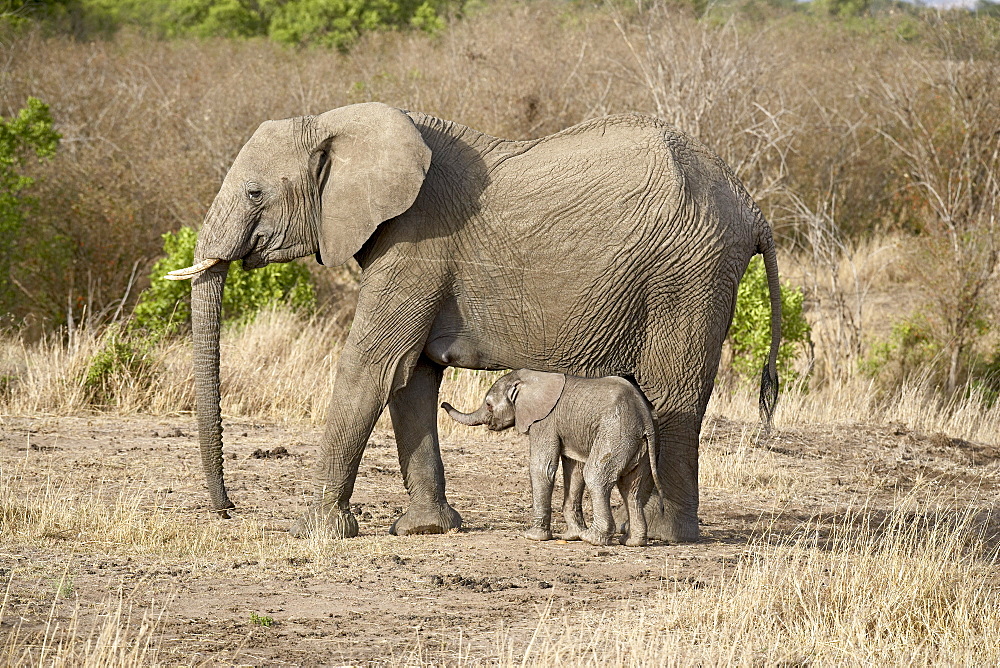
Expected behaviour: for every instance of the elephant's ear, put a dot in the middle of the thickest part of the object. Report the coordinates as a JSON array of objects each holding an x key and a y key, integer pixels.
[
  {"x": 535, "y": 395},
  {"x": 369, "y": 163}
]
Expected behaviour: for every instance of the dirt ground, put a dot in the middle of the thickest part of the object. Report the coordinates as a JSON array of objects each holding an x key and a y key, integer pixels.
[{"x": 466, "y": 596}]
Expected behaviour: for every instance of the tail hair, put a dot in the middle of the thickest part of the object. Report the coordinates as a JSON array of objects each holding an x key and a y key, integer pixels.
[{"x": 768, "y": 397}]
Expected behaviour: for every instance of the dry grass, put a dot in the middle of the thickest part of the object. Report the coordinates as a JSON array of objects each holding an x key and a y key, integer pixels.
[
  {"x": 917, "y": 405},
  {"x": 123, "y": 637},
  {"x": 903, "y": 589},
  {"x": 910, "y": 583},
  {"x": 281, "y": 368},
  {"x": 133, "y": 519},
  {"x": 915, "y": 584}
]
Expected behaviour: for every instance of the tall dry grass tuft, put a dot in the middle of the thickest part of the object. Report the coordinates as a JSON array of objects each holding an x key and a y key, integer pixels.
[
  {"x": 281, "y": 368},
  {"x": 113, "y": 638},
  {"x": 741, "y": 465},
  {"x": 867, "y": 588},
  {"x": 917, "y": 404},
  {"x": 112, "y": 517}
]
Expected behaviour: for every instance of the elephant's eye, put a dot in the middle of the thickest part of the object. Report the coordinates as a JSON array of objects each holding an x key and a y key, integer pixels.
[{"x": 255, "y": 193}]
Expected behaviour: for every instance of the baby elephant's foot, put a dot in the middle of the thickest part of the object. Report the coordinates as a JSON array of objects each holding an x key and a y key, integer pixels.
[
  {"x": 538, "y": 533},
  {"x": 573, "y": 533},
  {"x": 632, "y": 541},
  {"x": 595, "y": 537}
]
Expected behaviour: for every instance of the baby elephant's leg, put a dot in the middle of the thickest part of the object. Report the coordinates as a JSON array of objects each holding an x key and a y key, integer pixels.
[
  {"x": 543, "y": 464},
  {"x": 599, "y": 483},
  {"x": 573, "y": 499},
  {"x": 630, "y": 486}
]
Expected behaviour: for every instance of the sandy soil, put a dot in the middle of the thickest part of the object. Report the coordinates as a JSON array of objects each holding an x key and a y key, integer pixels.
[{"x": 451, "y": 596}]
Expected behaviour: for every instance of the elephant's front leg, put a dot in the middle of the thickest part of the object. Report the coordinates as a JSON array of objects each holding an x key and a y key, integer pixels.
[
  {"x": 542, "y": 468},
  {"x": 355, "y": 405},
  {"x": 413, "y": 409}
]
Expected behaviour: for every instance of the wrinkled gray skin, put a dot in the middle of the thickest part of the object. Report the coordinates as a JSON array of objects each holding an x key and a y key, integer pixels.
[
  {"x": 600, "y": 425},
  {"x": 611, "y": 248}
]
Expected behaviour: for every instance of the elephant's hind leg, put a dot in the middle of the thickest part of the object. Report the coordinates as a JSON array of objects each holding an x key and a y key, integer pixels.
[
  {"x": 630, "y": 486},
  {"x": 599, "y": 484},
  {"x": 413, "y": 409},
  {"x": 679, "y": 395},
  {"x": 677, "y": 520},
  {"x": 573, "y": 499}
]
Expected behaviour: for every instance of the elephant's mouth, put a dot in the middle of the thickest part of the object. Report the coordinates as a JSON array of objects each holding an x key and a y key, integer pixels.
[
  {"x": 259, "y": 257},
  {"x": 254, "y": 260}
]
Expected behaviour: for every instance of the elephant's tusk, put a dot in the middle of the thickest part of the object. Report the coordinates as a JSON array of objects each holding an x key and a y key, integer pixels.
[{"x": 192, "y": 271}]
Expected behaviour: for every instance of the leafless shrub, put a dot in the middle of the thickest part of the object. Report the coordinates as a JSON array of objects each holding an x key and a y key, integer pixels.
[
  {"x": 838, "y": 278},
  {"x": 714, "y": 84},
  {"x": 941, "y": 119}
]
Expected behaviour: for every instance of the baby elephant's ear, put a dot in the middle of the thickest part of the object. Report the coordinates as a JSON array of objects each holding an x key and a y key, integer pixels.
[{"x": 537, "y": 394}]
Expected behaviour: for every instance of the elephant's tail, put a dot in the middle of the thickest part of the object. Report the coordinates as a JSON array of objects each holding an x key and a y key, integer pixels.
[
  {"x": 653, "y": 452},
  {"x": 769, "y": 375}
]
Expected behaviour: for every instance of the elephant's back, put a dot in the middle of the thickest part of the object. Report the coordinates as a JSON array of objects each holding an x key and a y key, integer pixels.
[{"x": 582, "y": 247}]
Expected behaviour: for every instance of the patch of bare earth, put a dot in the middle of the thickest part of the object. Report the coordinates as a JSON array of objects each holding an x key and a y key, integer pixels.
[{"x": 243, "y": 592}]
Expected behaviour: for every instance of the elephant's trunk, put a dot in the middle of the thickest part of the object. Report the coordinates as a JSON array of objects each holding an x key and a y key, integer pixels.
[
  {"x": 206, "y": 310},
  {"x": 468, "y": 419}
]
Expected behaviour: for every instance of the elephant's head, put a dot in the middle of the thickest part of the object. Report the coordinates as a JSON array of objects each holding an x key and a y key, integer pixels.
[
  {"x": 518, "y": 399},
  {"x": 314, "y": 184}
]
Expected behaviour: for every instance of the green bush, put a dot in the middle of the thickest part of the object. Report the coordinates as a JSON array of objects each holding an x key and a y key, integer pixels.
[
  {"x": 336, "y": 23},
  {"x": 915, "y": 350},
  {"x": 910, "y": 348},
  {"x": 843, "y": 8},
  {"x": 124, "y": 354},
  {"x": 750, "y": 333},
  {"x": 27, "y": 134},
  {"x": 164, "y": 309},
  {"x": 985, "y": 379},
  {"x": 339, "y": 23},
  {"x": 166, "y": 305}
]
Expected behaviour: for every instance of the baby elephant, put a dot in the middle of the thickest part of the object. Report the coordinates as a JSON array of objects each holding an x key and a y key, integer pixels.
[{"x": 604, "y": 422}]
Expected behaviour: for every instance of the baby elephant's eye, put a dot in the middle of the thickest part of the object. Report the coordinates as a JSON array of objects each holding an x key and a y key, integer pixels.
[{"x": 255, "y": 193}]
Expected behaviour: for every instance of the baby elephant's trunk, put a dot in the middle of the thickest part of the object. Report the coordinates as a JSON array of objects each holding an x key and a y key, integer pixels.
[{"x": 468, "y": 419}]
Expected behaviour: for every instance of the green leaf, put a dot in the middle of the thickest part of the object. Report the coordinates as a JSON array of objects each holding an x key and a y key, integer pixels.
[{"x": 750, "y": 333}]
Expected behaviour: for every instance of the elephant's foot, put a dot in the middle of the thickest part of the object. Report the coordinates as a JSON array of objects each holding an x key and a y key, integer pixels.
[
  {"x": 573, "y": 532},
  {"x": 632, "y": 541},
  {"x": 340, "y": 523},
  {"x": 223, "y": 513},
  {"x": 595, "y": 537},
  {"x": 538, "y": 533},
  {"x": 675, "y": 525},
  {"x": 438, "y": 518}
]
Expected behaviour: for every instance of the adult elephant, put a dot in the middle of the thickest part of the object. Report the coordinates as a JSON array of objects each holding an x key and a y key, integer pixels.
[{"x": 614, "y": 247}]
